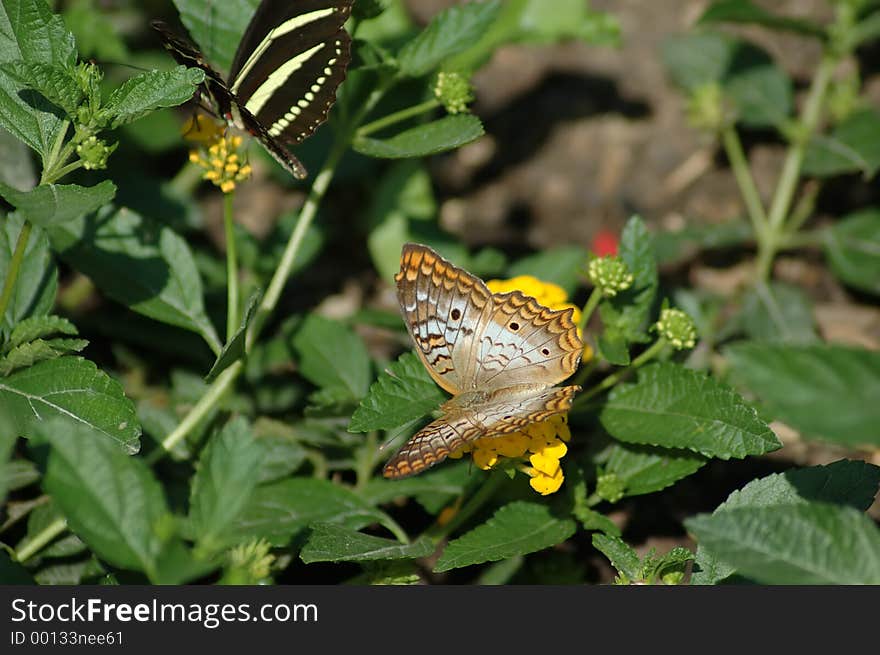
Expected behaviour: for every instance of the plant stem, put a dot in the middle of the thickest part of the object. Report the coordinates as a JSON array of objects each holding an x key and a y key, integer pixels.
[
  {"x": 741, "y": 171},
  {"x": 288, "y": 258},
  {"x": 40, "y": 540},
  {"x": 14, "y": 267},
  {"x": 232, "y": 303},
  {"x": 649, "y": 354},
  {"x": 53, "y": 157},
  {"x": 791, "y": 168},
  {"x": 200, "y": 410},
  {"x": 589, "y": 307},
  {"x": 398, "y": 116},
  {"x": 437, "y": 532}
]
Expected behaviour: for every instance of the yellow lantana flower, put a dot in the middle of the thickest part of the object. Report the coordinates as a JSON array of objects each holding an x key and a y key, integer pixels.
[{"x": 219, "y": 154}]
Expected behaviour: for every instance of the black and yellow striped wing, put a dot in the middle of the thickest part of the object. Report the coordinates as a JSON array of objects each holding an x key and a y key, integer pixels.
[{"x": 291, "y": 60}]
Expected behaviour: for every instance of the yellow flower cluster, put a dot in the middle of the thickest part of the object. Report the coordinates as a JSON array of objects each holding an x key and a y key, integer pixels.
[
  {"x": 541, "y": 444},
  {"x": 218, "y": 154}
]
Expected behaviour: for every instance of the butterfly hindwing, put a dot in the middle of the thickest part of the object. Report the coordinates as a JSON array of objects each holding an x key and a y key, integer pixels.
[
  {"x": 521, "y": 342},
  {"x": 503, "y": 412}
]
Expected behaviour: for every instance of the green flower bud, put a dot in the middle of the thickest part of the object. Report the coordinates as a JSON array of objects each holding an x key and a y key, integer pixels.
[
  {"x": 610, "y": 487},
  {"x": 250, "y": 563},
  {"x": 367, "y": 9},
  {"x": 677, "y": 328},
  {"x": 454, "y": 91},
  {"x": 707, "y": 109},
  {"x": 94, "y": 153},
  {"x": 609, "y": 275},
  {"x": 843, "y": 97}
]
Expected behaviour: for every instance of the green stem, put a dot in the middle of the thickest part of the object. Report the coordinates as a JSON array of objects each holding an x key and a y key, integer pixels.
[
  {"x": 53, "y": 158},
  {"x": 474, "y": 503},
  {"x": 64, "y": 170},
  {"x": 741, "y": 171},
  {"x": 590, "y": 306},
  {"x": 200, "y": 410},
  {"x": 398, "y": 116},
  {"x": 288, "y": 258},
  {"x": 649, "y": 354},
  {"x": 40, "y": 540},
  {"x": 791, "y": 168},
  {"x": 232, "y": 302},
  {"x": 14, "y": 267}
]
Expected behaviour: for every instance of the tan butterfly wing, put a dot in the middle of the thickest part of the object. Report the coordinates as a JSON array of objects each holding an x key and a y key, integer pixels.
[
  {"x": 497, "y": 353},
  {"x": 503, "y": 412},
  {"x": 470, "y": 339}
]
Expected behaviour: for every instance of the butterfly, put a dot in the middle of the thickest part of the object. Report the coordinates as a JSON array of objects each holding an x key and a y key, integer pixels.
[
  {"x": 499, "y": 355},
  {"x": 283, "y": 80}
]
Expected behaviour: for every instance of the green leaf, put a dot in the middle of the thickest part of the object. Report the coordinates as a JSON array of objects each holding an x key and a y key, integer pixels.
[
  {"x": 224, "y": 481},
  {"x": 563, "y": 266},
  {"x": 806, "y": 543},
  {"x": 139, "y": 263},
  {"x": 434, "y": 488},
  {"x": 111, "y": 501},
  {"x": 672, "y": 247},
  {"x": 403, "y": 393},
  {"x": 622, "y": 557},
  {"x": 646, "y": 469},
  {"x": 328, "y": 542},
  {"x": 539, "y": 22},
  {"x": 58, "y": 85},
  {"x": 613, "y": 347},
  {"x": 695, "y": 59},
  {"x": 778, "y": 312},
  {"x": 217, "y": 33},
  {"x": 852, "y": 147},
  {"x": 279, "y": 511},
  {"x": 744, "y": 11},
  {"x": 450, "y": 32},
  {"x": 675, "y": 407},
  {"x": 331, "y": 355},
  {"x": 75, "y": 388},
  {"x": 628, "y": 312},
  {"x": 438, "y": 136},
  {"x": 39, "y": 350},
  {"x": 852, "y": 246},
  {"x": 49, "y": 204},
  {"x": 518, "y": 528},
  {"x": 150, "y": 91},
  {"x": 37, "y": 327},
  {"x": 825, "y": 391},
  {"x": 866, "y": 30},
  {"x": 846, "y": 482},
  {"x": 234, "y": 349},
  {"x": 37, "y": 282},
  {"x": 8, "y": 471},
  {"x": 760, "y": 90},
  {"x": 29, "y": 31}
]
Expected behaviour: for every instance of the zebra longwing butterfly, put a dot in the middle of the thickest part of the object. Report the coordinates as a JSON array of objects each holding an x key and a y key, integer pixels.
[{"x": 283, "y": 80}]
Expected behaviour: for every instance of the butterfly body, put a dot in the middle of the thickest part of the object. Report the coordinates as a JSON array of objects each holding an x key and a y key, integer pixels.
[
  {"x": 283, "y": 80},
  {"x": 498, "y": 354}
]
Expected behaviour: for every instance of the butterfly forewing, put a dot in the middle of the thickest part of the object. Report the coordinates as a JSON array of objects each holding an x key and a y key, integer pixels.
[
  {"x": 506, "y": 411},
  {"x": 291, "y": 60},
  {"x": 442, "y": 305}
]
